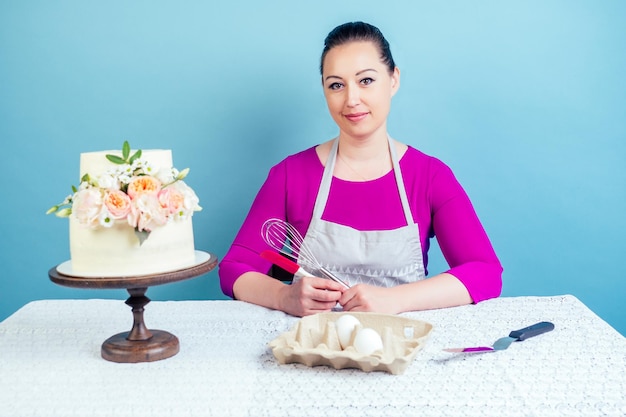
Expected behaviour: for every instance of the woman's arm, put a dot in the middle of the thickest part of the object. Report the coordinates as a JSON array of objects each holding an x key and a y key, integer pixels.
[{"x": 463, "y": 240}]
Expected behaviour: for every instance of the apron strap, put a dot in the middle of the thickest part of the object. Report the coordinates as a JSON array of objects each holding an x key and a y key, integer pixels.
[
  {"x": 322, "y": 194},
  {"x": 400, "y": 182}
]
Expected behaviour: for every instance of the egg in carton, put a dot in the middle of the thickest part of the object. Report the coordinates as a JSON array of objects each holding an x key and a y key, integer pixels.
[{"x": 315, "y": 341}]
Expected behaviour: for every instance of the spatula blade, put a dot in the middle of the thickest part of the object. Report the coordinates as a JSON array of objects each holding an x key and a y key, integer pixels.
[
  {"x": 523, "y": 334},
  {"x": 503, "y": 343}
]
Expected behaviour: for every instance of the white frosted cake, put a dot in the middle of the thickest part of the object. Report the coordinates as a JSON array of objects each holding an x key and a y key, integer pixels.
[{"x": 131, "y": 218}]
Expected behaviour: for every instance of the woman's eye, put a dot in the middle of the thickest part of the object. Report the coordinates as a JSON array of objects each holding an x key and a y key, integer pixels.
[
  {"x": 367, "y": 81},
  {"x": 335, "y": 86}
]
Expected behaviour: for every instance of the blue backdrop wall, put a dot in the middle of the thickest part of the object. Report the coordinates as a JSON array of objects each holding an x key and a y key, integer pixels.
[{"x": 526, "y": 101}]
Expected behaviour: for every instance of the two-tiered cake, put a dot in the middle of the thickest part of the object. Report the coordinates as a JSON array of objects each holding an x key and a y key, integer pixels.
[{"x": 131, "y": 215}]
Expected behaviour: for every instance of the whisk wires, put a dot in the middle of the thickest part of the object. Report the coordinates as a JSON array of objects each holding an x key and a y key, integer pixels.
[{"x": 286, "y": 239}]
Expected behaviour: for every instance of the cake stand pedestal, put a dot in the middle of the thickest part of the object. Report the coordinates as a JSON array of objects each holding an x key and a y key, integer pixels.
[{"x": 139, "y": 344}]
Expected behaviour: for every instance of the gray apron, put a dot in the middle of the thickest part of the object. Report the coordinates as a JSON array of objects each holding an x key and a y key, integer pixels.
[{"x": 384, "y": 258}]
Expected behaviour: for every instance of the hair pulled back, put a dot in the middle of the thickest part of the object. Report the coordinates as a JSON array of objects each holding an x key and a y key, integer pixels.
[{"x": 358, "y": 32}]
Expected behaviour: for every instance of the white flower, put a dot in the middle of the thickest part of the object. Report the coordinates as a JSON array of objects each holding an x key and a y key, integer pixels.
[
  {"x": 124, "y": 179},
  {"x": 191, "y": 202},
  {"x": 165, "y": 175},
  {"x": 83, "y": 186},
  {"x": 107, "y": 181},
  {"x": 182, "y": 174},
  {"x": 87, "y": 206},
  {"x": 105, "y": 219},
  {"x": 125, "y": 170},
  {"x": 148, "y": 169},
  {"x": 137, "y": 164},
  {"x": 64, "y": 212}
]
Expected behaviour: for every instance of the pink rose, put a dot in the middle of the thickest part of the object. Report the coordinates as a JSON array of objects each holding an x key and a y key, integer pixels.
[
  {"x": 171, "y": 200},
  {"x": 117, "y": 203},
  {"x": 146, "y": 213},
  {"x": 143, "y": 184}
]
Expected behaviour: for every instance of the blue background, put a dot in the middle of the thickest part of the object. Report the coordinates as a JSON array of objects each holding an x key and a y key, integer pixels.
[{"x": 526, "y": 101}]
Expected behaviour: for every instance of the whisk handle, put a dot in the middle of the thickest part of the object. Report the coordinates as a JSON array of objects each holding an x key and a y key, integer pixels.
[
  {"x": 284, "y": 263},
  {"x": 331, "y": 276}
]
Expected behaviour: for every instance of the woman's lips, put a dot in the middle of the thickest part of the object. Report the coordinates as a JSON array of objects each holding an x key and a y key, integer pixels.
[{"x": 355, "y": 117}]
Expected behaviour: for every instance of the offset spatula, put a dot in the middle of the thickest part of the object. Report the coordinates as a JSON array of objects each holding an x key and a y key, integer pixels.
[{"x": 505, "y": 342}]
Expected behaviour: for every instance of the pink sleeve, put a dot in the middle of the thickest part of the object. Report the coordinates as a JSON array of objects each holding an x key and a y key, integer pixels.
[
  {"x": 462, "y": 238},
  {"x": 243, "y": 255}
]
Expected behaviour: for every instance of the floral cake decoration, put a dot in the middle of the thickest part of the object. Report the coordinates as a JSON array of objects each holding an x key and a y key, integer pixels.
[{"x": 132, "y": 193}]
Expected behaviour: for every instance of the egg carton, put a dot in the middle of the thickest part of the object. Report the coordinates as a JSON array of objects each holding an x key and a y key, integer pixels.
[{"x": 313, "y": 341}]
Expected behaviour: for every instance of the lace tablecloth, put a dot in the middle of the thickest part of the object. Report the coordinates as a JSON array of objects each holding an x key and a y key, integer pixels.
[{"x": 50, "y": 365}]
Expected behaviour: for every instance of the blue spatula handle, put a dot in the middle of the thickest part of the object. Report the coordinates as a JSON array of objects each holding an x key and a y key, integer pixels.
[{"x": 531, "y": 331}]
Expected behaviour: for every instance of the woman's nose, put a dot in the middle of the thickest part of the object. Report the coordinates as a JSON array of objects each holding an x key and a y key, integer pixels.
[{"x": 353, "y": 95}]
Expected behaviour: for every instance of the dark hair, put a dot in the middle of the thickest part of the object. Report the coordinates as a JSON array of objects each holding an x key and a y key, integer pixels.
[{"x": 358, "y": 32}]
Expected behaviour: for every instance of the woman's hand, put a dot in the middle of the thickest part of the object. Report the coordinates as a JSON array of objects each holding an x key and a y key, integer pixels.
[
  {"x": 364, "y": 297},
  {"x": 310, "y": 295}
]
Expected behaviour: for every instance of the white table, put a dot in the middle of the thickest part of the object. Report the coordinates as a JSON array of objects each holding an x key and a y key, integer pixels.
[{"x": 50, "y": 365}]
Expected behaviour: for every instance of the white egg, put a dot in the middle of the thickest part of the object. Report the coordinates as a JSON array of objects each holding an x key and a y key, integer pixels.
[
  {"x": 345, "y": 326},
  {"x": 368, "y": 341}
]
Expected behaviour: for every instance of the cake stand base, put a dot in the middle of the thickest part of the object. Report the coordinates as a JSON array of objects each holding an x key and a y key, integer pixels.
[
  {"x": 140, "y": 344},
  {"x": 161, "y": 345}
]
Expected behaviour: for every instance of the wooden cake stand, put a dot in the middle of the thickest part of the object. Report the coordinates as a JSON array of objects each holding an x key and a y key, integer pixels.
[{"x": 139, "y": 344}]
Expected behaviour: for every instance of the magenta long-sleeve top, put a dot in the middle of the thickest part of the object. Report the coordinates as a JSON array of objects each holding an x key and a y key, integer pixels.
[{"x": 439, "y": 206}]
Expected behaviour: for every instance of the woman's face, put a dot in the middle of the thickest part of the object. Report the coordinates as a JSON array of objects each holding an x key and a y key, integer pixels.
[{"x": 358, "y": 88}]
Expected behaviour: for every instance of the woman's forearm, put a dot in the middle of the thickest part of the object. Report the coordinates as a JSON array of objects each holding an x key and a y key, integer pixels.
[
  {"x": 439, "y": 291},
  {"x": 258, "y": 288}
]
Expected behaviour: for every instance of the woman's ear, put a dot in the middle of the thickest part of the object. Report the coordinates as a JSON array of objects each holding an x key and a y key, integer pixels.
[{"x": 395, "y": 81}]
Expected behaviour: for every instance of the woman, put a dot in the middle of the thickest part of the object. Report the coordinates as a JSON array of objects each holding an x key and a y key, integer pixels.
[{"x": 366, "y": 205}]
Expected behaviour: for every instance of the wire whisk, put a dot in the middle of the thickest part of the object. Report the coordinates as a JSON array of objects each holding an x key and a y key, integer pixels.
[{"x": 283, "y": 237}]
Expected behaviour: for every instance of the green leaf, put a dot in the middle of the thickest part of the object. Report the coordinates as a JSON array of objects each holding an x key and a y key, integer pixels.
[
  {"x": 52, "y": 209},
  {"x": 74, "y": 189},
  {"x": 126, "y": 150},
  {"x": 142, "y": 236},
  {"x": 135, "y": 156},
  {"x": 116, "y": 159},
  {"x": 85, "y": 178}
]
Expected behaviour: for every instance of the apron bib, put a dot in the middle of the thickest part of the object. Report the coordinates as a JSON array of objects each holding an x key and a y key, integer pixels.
[{"x": 384, "y": 258}]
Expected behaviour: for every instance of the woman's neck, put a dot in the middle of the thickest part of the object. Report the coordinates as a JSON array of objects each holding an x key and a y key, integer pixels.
[
  {"x": 362, "y": 159},
  {"x": 364, "y": 149}
]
